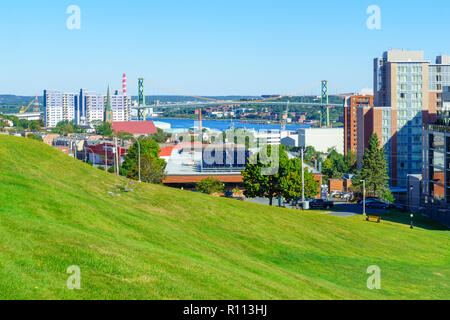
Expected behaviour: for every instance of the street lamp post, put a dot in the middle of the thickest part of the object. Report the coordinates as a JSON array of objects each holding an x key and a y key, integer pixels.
[
  {"x": 364, "y": 197},
  {"x": 411, "y": 188},
  {"x": 139, "y": 157},
  {"x": 303, "y": 178},
  {"x": 412, "y": 216}
]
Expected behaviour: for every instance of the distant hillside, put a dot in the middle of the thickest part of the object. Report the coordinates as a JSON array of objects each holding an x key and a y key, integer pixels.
[
  {"x": 162, "y": 243},
  {"x": 12, "y": 99}
]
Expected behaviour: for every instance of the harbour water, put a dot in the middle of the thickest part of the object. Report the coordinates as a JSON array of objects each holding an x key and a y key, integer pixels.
[{"x": 223, "y": 125}]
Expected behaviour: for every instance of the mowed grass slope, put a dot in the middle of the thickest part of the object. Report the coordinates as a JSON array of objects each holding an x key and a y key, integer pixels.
[{"x": 163, "y": 243}]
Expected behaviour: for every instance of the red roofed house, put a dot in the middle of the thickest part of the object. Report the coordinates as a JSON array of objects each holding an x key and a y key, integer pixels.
[
  {"x": 136, "y": 128},
  {"x": 166, "y": 153}
]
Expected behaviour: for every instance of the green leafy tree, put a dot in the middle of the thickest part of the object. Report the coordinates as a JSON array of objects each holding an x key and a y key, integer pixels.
[
  {"x": 373, "y": 170},
  {"x": 387, "y": 196},
  {"x": 34, "y": 137},
  {"x": 65, "y": 127},
  {"x": 160, "y": 136},
  {"x": 103, "y": 128},
  {"x": 291, "y": 183},
  {"x": 259, "y": 184},
  {"x": 336, "y": 165},
  {"x": 149, "y": 148},
  {"x": 209, "y": 185},
  {"x": 3, "y": 124},
  {"x": 152, "y": 170}
]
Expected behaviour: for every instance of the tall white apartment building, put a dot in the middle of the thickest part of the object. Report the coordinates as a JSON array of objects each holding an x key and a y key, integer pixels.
[
  {"x": 53, "y": 109},
  {"x": 95, "y": 107},
  {"x": 84, "y": 107},
  {"x": 58, "y": 107},
  {"x": 68, "y": 104},
  {"x": 121, "y": 107}
]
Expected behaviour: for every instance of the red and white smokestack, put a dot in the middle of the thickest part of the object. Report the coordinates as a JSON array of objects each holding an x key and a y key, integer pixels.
[{"x": 124, "y": 84}]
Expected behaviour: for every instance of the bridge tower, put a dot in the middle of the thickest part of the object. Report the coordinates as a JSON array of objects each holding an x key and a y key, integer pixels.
[
  {"x": 141, "y": 100},
  {"x": 324, "y": 103}
]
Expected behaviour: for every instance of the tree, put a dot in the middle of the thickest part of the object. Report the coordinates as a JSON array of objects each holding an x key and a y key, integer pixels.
[
  {"x": 336, "y": 165},
  {"x": 34, "y": 137},
  {"x": 351, "y": 161},
  {"x": 65, "y": 127},
  {"x": 373, "y": 170},
  {"x": 160, "y": 136},
  {"x": 257, "y": 183},
  {"x": 291, "y": 183},
  {"x": 103, "y": 128},
  {"x": 3, "y": 124},
  {"x": 149, "y": 148},
  {"x": 209, "y": 185},
  {"x": 152, "y": 170}
]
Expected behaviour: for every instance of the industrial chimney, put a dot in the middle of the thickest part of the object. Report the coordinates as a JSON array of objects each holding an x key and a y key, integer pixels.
[{"x": 124, "y": 84}]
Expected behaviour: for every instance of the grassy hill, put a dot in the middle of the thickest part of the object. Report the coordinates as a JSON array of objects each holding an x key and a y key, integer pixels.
[{"x": 162, "y": 243}]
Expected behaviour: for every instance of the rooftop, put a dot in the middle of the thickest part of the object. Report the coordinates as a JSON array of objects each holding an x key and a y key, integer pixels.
[{"x": 135, "y": 127}]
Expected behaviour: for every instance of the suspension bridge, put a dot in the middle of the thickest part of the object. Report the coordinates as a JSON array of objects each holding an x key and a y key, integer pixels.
[{"x": 324, "y": 105}]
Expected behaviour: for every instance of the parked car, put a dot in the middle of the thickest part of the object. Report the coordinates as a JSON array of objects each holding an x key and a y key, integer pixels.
[
  {"x": 320, "y": 204},
  {"x": 336, "y": 194},
  {"x": 368, "y": 200},
  {"x": 229, "y": 194},
  {"x": 377, "y": 205},
  {"x": 294, "y": 202}
]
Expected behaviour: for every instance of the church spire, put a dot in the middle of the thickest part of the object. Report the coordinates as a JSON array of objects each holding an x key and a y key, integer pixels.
[
  {"x": 108, "y": 109},
  {"x": 108, "y": 101}
]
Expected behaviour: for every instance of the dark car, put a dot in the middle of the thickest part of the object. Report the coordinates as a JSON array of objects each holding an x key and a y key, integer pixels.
[
  {"x": 377, "y": 205},
  {"x": 369, "y": 199},
  {"x": 229, "y": 194},
  {"x": 320, "y": 204}
]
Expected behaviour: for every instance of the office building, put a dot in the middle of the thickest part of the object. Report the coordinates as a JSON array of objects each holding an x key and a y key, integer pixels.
[{"x": 322, "y": 139}]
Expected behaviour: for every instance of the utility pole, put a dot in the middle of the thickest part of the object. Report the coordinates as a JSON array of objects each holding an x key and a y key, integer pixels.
[
  {"x": 117, "y": 157},
  {"x": 364, "y": 197},
  {"x": 106, "y": 157}
]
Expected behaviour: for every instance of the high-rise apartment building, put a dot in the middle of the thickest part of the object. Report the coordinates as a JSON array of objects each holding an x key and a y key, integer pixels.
[
  {"x": 350, "y": 120},
  {"x": 58, "y": 107},
  {"x": 95, "y": 107},
  {"x": 401, "y": 90},
  {"x": 407, "y": 94},
  {"x": 121, "y": 106},
  {"x": 68, "y": 104},
  {"x": 438, "y": 80}
]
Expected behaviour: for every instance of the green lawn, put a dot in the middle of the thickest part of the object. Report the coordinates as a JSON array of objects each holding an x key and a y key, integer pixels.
[{"x": 162, "y": 243}]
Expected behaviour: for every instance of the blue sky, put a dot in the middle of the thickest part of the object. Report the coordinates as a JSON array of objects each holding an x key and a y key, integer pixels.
[{"x": 214, "y": 47}]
